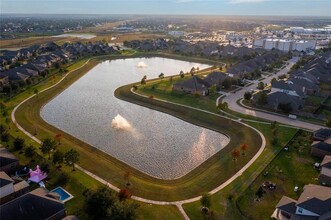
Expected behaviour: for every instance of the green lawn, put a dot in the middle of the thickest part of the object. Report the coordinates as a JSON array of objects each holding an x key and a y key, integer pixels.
[
  {"x": 224, "y": 202},
  {"x": 289, "y": 169}
]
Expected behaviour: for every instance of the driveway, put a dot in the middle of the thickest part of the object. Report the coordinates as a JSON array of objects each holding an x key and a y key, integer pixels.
[{"x": 232, "y": 98}]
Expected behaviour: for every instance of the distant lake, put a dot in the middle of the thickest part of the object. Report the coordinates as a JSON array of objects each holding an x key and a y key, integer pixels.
[
  {"x": 155, "y": 143},
  {"x": 81, "y": 36}
]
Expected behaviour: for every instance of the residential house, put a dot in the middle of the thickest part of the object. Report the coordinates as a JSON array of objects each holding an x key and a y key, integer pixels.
[
  {"x": 309, "y": 87},
  {"x": 274, "y": 99},
  {"x": 38, "y": 204},
  {"x": 325, "y": 175},
  {"x": 320, "y": 149},
  {"x": 194, "y": 85},
  {"x": 8, "y": 161},
  {"x": 216, "y": 78},
  {"x": 304, "y": 75},
  {"x": 14, "y": 76},
  {"x": 314, "y": 203},
  {"x": 25, "y": 53},
  {"x": 26, "y": 71},
  {"x": 288, "y": 87},
  {"x": 9, "y": 189},
  {"x": 322, "y": 134}
]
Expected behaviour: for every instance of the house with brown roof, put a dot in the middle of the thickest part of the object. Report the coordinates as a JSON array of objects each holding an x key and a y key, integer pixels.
[
  {"x": 325, "y": 175},
  {"x": 314, "y": 203}
]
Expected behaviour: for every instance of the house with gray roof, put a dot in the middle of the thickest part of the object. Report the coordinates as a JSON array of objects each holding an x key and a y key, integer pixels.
[
  {"x": 38, "y": 204},
  {"x": 277, "y": 98},
  {"x": 304, "y": 75},
  {"x": 314, "y": 204},
  {"x": 216, "y": 78},
  {"x": 309, "y": 87},
  {"x": 194, "y": 85},
  {"x": 15, "y": 76},
  {"x": 322, "y": 134},
  {"x": 289, "y": 88},
  {"x": 8, "y": 161},
  {"x": 321, "y": 148},
  {"x": 325, "y": 175}
]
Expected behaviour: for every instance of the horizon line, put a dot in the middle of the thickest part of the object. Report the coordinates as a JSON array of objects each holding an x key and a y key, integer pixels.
[{"x": 269, "y": 15}]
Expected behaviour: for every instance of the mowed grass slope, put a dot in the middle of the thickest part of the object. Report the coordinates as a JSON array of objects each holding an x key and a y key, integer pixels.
[{"x": 206, "y": 177}]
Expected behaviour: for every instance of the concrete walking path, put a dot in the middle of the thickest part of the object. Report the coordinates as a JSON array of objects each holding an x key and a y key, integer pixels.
[{"x": 179, "y": 203}]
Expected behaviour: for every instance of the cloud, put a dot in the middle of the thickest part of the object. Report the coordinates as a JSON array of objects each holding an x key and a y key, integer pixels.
[{"x": 245, "y": 1}]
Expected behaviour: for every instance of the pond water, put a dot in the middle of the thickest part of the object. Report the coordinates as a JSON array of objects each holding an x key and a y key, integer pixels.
[
  {"x": 81, "y": 36},
  {"x": 155, "y": 143}
]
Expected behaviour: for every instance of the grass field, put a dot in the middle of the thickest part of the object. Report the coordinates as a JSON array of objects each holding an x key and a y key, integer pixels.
[
  {"x": 224, "y": 202},
  {"x": 289, "y": 169}
]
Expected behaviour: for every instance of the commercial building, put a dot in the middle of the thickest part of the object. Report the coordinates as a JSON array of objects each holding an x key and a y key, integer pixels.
[{"x": 285, "y": 45}]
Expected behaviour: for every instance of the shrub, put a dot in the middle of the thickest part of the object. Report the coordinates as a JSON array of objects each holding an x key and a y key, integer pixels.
[
  {"x": 19, "y": 143},
  {"x": 62, "y": 179}
]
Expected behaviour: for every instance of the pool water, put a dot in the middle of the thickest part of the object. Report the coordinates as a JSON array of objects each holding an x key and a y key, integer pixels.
[{"x": 64, "y": 195}]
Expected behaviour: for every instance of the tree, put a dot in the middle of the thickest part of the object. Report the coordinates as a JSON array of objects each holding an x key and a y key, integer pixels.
[
  {"x": 285, "y": 107},
  {"x": 19, "y": 143},
  {"x": 227, "y": 83},
  {"x": 205, "y": 200},
  {"x": 104, "y": 204},
  {"x": 192, "y": 71},
  {"x": 124, "y": 194},
  {"x": 127, "y": 178},
  {"x": 247, "y": 96},
  {"x": 223, "y": 106},
  {"x": 30, "y": 151},
  {"x": 98, "y": 202},
  {"x": 58, "y": 137},
  {"x": 71, "y": 157},
  {"x": 3, "y": 129},
  {"x": 58, "y": 157},
  {"x": 124, "y": 211},
  {"x": 47, "y": 146},
  {"x": 244, "y": 147},
  {"x": 213, "y": 89},
  {"x": 235, "y": 154},
  {"x": 143, "y": 80},
  {"x": 260, "y": 85},
  {"x": 181, "y": 74},
  {"x": 161, "y": 76},
  {"x": 262, "y": 99},
  {"x": 36, "y": 92}
]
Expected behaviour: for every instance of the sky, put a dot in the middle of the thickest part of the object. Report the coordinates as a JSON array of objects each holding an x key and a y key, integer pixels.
[{"x": 180, "y": 7}]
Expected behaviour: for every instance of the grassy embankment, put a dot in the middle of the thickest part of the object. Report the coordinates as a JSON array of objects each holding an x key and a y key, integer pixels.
[
  {"x": 202, "y": 179},
  {"x": 33, "y": 109},
  {"x": 222, "y": 206}
]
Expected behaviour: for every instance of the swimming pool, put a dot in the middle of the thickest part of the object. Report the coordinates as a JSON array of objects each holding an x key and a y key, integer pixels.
[{"x": 64, "y": 195}]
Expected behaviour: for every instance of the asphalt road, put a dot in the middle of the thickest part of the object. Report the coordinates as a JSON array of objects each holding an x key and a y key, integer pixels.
[{"x": 231, "y": 99}]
